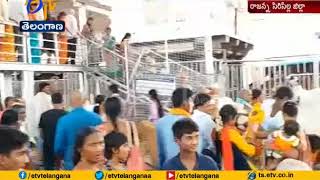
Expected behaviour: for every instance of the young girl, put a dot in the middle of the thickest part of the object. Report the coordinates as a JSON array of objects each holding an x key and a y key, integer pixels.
[
  {"x": 282, "y": 141},
  {"x": 89, "y": 150},
  {"x": 116, "y": 151},
  {"x": 155, "y": 108},
  {"x": 285, "y": 140},
  {"x": 256, "y": 116}
]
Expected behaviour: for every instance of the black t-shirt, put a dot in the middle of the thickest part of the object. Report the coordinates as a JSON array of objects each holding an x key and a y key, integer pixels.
[{"x": 48, "y": 124}]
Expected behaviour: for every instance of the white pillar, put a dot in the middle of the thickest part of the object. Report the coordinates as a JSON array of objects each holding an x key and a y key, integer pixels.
[
  {"x": 208, "y": 55},
  {"x": 28, "y": 85},
  {"x": 2, "y": 88},
  {"x": 82, "y": 16},
  {"x": 316, "y": 74},
  {"x": 81, "y": 83}
]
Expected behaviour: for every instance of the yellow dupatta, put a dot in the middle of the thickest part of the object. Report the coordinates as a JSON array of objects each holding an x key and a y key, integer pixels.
[{"x": 179, "y": 112}]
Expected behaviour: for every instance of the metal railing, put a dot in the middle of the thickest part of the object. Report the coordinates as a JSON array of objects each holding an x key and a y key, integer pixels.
[{"x": 38, "y": 48}]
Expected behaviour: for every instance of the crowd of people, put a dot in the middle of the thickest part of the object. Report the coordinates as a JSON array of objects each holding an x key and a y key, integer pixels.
[{"x": 198, "y": 131}]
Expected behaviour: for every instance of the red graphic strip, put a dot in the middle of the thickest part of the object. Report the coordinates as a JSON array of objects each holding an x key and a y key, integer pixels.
[{"x": 284, "y": 6}]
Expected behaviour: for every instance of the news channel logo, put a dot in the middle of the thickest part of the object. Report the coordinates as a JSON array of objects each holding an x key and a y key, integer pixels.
[
  {"x": 42, "y": 26},
  {"x": 22, "y": 175},
  {"x": 252, "y": 175},
  {"x": 45, "y": 5},
  {"x": 39, "y": 7},
  {"x": 99, "y": 175}
]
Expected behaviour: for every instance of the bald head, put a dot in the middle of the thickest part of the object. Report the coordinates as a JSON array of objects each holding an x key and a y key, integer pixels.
[
  {"x": 214, "y": 90},
  {"x": 77, "y": 99},
  {"x": 72, "y": 12},
  {"x": 245, "y": 94}
]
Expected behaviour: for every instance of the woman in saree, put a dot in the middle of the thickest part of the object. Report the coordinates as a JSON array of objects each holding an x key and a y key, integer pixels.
[{"x": 234, "y": 148}]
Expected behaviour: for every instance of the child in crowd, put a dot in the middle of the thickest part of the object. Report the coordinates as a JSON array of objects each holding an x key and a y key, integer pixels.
[
  {"x": 186, "y": 134},
  {"x": 284, "y": 140},
  {"x": 256, "y": 116},
  {"x": 116, "y": 151}
]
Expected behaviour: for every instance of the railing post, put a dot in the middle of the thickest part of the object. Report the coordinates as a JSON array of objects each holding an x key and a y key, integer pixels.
[
  {"x": 136, "y": 66},
  {"x": 25, "y": 47},
  {"x": 56, "y": 45},
  {"x": 127, "y": 70},
  {"x": 28, "y": 49},
  {"x": 166, "y": 50},
  {"x": 316, "y": 74}
]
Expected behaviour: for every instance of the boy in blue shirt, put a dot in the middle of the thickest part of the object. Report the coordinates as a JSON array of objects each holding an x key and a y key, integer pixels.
[{"x": 186, "y": 134}]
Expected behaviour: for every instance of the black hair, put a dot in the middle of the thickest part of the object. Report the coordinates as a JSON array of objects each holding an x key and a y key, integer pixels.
[
  {"x": 57, "y": 98},
  {"x": 43, "y": 85},
  {"x": 228, "y": 113},
  {"x": 114, "y": 88},
  {"x": 7, "y": 99},
  {"x": 290, "y": 108},
  {"x": 314, "y": 142},
  {"x": 180, "y": 95},
  {"x": 154, "y": 95},
  {"x": 9, "y": 117},
  {"x": 256, "y": 93},
  {"x": 201, "y": 99},
  {"x": 291, "y": 127},
  {"x": 11, "y": 139},
  {"x": 112, "y": 107},
  {"x": 126, "y": 36},
  {"x": 80, "y": 140},
  {"x": 61, "y": 14},
  {"x": 113, "y": 140},
  {"x": 100, "y": 99},
  {"x": 184, "y": 126},
  {"x": 18, "y": 108},
  {"x": 283, "y": 92},
  {"x": 89, "y": 18}
]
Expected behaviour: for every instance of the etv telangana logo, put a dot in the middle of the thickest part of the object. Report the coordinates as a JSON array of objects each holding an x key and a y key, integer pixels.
[
  {"x": 34, "y": 6},
  {"x": 46, "y": 5}
]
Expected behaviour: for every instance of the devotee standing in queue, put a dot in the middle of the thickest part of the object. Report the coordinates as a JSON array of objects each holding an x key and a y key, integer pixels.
[
  {"x": 72, "y": 34},
  {"x": 201, "y": 115},
  {"x": 48, "y": 124},
  {"x": 89, "y": 150},
  {"x": 186, "y": 134},
  {"x": 155, "y": 107},
  {"x": 41, "y": 103},
  {"x": 70, "y": 125},
  {"x": 13, "y": 149},
  {"x": 182, "y": 108}
]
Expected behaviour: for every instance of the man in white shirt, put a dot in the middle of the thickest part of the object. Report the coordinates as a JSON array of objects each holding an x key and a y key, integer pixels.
[
  {"x": 41, "y": 103},
  {"x": 201, "y": 115},
  {"x": 72, "y": 34},
  {"x": 273, "y": 109}
]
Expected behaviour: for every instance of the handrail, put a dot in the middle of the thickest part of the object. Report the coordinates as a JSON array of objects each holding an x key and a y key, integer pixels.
[
  {"x": 106, "y": 49},
  {"x": 176, "y": 63}
]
